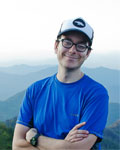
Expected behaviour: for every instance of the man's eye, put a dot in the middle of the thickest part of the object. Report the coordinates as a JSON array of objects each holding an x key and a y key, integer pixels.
[
  {"x": 67, "y": 42},
  {"x": 81, "y": 46}
]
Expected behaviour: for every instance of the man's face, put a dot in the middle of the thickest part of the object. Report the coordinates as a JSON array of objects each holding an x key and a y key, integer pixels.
[{"x": 70, "y": 58}]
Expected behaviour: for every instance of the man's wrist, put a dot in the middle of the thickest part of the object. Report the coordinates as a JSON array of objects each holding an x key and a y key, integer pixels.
[
  {"x": 30, "y": 134},
  {"x": 34, "y": 140}
]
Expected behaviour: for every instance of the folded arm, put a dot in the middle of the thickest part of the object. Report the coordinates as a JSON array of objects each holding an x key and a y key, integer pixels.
[
  {"x": 76, "y": 139},
  {"x": 46, "y": 143},
  {"x": 19, "y": 139}
]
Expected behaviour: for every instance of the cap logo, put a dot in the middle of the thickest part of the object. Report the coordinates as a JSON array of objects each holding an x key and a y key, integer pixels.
[{"x": 79, "y": 23}]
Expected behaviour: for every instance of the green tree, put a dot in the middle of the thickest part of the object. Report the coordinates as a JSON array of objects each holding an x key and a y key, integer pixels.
[{"x": 6, "y": 135}]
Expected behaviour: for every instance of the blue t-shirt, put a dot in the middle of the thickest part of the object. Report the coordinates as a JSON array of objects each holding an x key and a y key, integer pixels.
[{"x": 54, "y": 108}]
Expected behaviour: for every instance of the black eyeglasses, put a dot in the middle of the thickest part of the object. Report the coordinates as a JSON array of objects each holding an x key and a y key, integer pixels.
[{"x": 66, "y": 43}]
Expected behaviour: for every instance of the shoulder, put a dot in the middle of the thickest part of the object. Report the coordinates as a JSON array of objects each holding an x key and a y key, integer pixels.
[
  {"x": 43, "y": 81},
  {"x": 94, "y": 90},
  {"x": 94, "y": 85},
  {"x": 40, "y": 84}
]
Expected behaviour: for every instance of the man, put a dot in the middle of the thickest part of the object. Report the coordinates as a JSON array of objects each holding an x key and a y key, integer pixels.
[{"x": 69, "y": 109}]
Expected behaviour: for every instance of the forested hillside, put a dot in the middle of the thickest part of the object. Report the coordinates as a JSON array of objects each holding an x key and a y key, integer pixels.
[{"x": 6, "y": 135}]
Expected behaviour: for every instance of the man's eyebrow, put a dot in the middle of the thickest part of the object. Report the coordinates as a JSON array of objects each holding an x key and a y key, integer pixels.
[
  {"x": 82, "y": 42},
  {"x": 66, "y": 38},
  {"x": 79, "y": 42}
]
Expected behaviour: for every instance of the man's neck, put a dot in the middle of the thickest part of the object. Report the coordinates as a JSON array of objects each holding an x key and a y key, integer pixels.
[{"x": 69, "y": 75}]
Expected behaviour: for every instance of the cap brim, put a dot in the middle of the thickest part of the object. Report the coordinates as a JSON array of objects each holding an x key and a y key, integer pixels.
[{"x": 69, "y": 30}]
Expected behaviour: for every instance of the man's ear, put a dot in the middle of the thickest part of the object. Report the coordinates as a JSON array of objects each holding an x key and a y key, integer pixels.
[
  {"x": 88, "y": 53},
  {"x": 56, "y": 47}
]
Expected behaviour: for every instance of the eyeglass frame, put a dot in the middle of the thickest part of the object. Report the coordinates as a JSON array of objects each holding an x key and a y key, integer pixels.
[{"x": 86, "y": 46}]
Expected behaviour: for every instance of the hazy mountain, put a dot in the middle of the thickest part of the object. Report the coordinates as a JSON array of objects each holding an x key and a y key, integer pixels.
[
  {"x": 22, "y": 69},
  {"x": 111, "y": 140},
  {"x": 114, "y": 113},
  {"x": 10, "y": 107},
  {"x": 108, "y": 60},
  {"x": 10, "y": 84}
]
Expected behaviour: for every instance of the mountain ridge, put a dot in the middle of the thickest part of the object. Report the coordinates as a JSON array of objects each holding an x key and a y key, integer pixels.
[
  {"x": 22, "y": 69},
  {"x": 10, "y": 84}
]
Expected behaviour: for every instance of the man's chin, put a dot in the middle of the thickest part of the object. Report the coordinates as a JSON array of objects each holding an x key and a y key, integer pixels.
[{"x": 72, "y": 67}]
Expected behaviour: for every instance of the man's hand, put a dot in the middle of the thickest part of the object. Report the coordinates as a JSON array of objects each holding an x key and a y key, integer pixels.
[
  {"x": 77, "y": 135},
  {"x": 31, "y": 133}
]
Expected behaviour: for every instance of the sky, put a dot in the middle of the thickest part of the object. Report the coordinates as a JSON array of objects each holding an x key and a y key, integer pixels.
[{"x": 28, "y": 28}]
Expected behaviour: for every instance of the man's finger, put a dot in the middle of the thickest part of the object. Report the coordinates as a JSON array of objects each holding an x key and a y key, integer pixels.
[
  {"x": 82, "y": 132},
  {"x": 79, "y": 125},
  {"x": 73, "y": 132}
]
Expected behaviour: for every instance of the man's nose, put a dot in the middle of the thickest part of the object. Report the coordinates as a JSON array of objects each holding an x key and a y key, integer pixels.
[{"x": 72, "y": 49}]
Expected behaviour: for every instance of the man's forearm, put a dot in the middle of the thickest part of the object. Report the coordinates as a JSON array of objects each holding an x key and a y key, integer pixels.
[
  {"x": 22, "y": 144},
  {"x": 46, "y": 143}
]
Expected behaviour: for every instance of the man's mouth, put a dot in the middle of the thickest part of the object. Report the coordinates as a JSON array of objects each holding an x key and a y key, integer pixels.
[{"x": 71, "y": 56}]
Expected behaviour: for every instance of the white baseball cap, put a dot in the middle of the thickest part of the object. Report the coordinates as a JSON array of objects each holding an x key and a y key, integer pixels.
[{"x": 79, "y": 25}]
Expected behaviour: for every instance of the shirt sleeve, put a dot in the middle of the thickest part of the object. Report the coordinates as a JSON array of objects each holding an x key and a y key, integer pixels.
[
  {"x": 25, "y": 116},
  {"x": 95, "y": 113}
]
